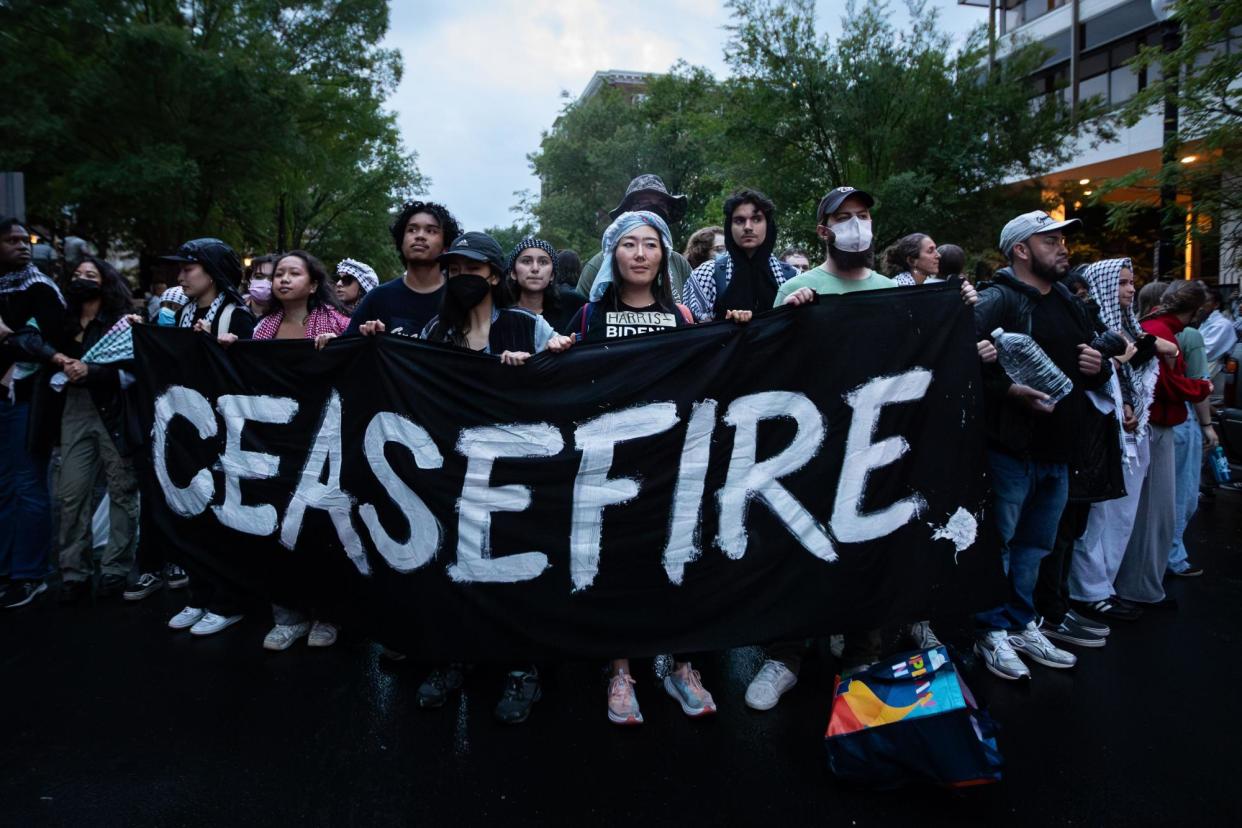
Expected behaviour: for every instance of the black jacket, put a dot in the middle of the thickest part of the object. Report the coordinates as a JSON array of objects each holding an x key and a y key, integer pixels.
[
  {"x": 103, "y": 382},
  {"x": 1008, "y": 303}
]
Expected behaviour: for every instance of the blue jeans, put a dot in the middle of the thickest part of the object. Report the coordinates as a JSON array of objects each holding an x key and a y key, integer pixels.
[
  {"x": 1188, "y": 455},
  {"x": 25, "y": 506},
  {"x": 1027, "y": 501}
]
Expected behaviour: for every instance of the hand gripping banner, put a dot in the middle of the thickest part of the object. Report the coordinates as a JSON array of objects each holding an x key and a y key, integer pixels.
[{"x": 820, "y": 469}]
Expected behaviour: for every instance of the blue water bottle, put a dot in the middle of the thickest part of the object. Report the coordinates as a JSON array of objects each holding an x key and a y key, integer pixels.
[{"x": 1220, "y": 465}]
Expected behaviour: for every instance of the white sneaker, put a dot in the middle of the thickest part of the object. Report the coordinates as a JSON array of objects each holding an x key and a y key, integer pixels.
[
  {"x": 768, "y": 685},
  {"x": 922, "y": 636},
  {"x": 282, "y": 636},
  {"x": 187, "y": 618},
  {"x": 322, "y": 634},
  {"x": 1035, "y": 645},
  {"x": 993, "y": 647},
  {"x": 211, "y": 623}
]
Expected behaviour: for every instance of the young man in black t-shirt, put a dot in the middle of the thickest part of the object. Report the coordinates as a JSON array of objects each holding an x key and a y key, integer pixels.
[{"x": 421, "y": 232}]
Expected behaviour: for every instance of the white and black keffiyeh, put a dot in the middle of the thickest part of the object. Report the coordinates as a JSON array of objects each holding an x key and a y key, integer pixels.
[
  {"x": 1103, "y": 279},
  {"x": 116, "y": 345},
  {"x": 187, "y": 313},
  {"x": 19, "y": 280},
  {"x": 699, "y": 294},
  {"x": 361, "y": 272}
]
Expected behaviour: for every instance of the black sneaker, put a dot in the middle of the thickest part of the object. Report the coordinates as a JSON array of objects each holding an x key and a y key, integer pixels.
[
  {"x": 443, "y": 680},
  {"x": 73, "y": 591},
  {"x": 1108, "y": 609},
  {"x": 111, "y": 586},
  {"x": 147, "y": 583},
  {"x": 175, "y": 577},
  {"x": 1070, "y": 633},
  {"x": 1191, "y": 572},
  {"x": 1097, "y": 627},
  {"x": 521, "y": 692},
  {"x": 21, "y": 593}
]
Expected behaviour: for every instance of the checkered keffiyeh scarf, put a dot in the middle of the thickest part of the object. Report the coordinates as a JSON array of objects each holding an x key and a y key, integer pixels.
[
  {"x": 362, "y": 272},
  {"x": 18, "y": 280},
  {"x": 116, "y": 345},
  {"x": 321, "y": 320},
  {"x": 1103, "y": 279}
]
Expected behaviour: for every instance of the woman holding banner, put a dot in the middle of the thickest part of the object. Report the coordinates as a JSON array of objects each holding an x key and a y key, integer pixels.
[
  {"x": 632, "y": 294},
  {"x": 471, "y": 317},
  {"x": 92, "y": 433},
  {"x": 304, "y": 305}
]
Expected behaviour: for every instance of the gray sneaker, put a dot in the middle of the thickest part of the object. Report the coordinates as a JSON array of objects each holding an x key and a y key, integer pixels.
[
  {"x": 520, "y": 694},
  {"x": 921, "y": 636},
  {"x": 434, "y": 691},
  {"x": 998, "y": 656},
  {"x": 1035, "y": 645}
]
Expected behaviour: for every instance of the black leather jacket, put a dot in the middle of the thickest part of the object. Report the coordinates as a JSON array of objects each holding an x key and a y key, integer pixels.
[{"x": 1008, "y": 303}]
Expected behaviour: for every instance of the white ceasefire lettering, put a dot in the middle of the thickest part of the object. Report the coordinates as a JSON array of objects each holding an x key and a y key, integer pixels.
[
  {"x": 425, "y": 531},
  {"x": 179, "y": 401},
  {"x": 238, "y": 465},
  {"x": 683, "y": 540},
  {"x": 482, "y": 446},
  {"x": 325, "y": 456},
  {"x": 849, "y": 524},
  {"x": 748, "y": 479},
  {"x": 594, "y": 490}
]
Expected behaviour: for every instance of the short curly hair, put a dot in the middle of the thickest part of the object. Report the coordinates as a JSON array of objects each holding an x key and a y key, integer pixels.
[
  {"x": 699, "y": 247},
  {"x": 448, "y": 222}
]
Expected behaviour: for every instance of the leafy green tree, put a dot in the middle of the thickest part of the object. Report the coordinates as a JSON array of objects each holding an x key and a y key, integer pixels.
[
  {"x": 1201, "y": 76},
  {"x": 597, "y": 146},
  {"x": 260, "y": 121},
  {"x": 926, "y": 127}
]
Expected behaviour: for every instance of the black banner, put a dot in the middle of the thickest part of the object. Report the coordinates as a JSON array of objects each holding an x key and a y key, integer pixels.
[{"x": 818, "y": 470}]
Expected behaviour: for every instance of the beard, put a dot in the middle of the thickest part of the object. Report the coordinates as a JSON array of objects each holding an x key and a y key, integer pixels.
[
  {"x": 849, "y": 260},
  {"x": 1047, "y": 272}
]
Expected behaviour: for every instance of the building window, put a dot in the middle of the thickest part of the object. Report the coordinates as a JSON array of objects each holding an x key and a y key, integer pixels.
[
  {"x": 1094, "y": 87},
  {"x": 1123, "y": 84}
]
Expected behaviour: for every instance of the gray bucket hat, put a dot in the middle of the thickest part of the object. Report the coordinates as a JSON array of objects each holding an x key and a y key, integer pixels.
[{"x": 650, "y": 183}]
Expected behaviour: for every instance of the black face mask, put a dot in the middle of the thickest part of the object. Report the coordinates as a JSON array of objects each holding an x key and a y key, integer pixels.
[
  {"x": 468, "y": 289},
  {"x": 83, "y": 290}
]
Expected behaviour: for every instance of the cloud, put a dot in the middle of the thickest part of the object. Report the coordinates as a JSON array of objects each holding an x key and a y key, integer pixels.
[{"x": 483, "y": 79}]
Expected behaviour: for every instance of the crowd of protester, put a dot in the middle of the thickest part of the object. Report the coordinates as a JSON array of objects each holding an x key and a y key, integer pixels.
[{"x": 1091, "y": 495}]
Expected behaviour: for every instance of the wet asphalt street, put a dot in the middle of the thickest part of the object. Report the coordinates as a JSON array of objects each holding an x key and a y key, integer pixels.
[{"x": 111, "y": 719}]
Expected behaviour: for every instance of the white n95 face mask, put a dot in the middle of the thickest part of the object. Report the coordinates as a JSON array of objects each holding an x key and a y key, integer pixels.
[{"x": 853, "y": 234}]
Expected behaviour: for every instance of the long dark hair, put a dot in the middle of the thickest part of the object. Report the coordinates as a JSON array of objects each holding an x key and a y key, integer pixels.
[
  {"x": 661, "y": 289},
  {"x": 452, "y": 316},
  {"x": 568, "y": 268},
  {"x": 324, "y": 293},
  {"x": 897, "y": 256},
  {"x": 1180, "y": 297},
  {"x": 116, "y": 298}
]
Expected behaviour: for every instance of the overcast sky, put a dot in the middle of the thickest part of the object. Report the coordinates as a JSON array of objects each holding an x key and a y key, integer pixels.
[{"x": 483, "y": 78}]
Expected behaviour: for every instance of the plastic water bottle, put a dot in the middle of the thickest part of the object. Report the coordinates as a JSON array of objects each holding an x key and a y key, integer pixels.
[
  {"x": 1027, "y": 364},
  {"x": 1220, "y": 465}
]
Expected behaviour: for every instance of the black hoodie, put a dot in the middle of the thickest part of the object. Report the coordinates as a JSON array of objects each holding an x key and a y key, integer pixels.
[{"x": 752, "y": 285}]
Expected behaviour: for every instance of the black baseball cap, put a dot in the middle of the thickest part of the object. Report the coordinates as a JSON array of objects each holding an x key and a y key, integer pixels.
[
  {"x": 829, "y": 203},
  {"x": 477, "y": 246},
  {"x": 217, "y": 258}
]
